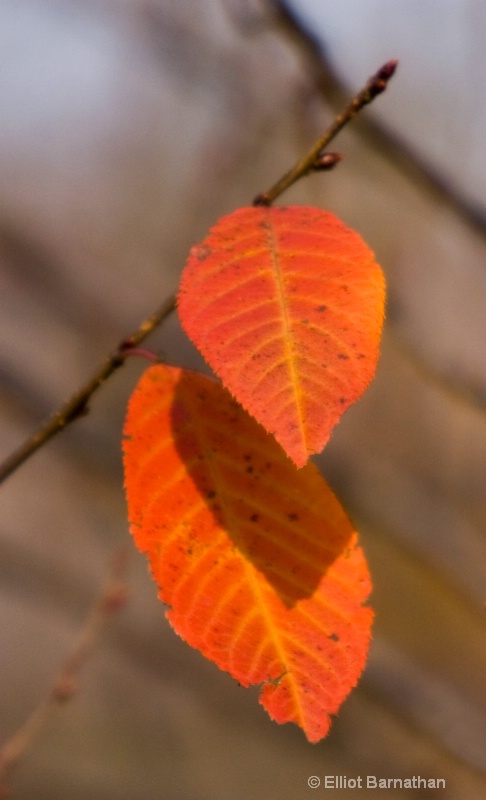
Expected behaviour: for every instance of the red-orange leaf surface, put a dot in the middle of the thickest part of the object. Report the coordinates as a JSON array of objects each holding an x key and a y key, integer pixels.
[
  {"x": 286, "y": 305},
  {"x": 258, "y": 562}
]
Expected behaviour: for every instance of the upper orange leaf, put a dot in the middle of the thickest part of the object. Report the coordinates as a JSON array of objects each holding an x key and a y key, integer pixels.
[
  {"x": 286, "y": 305},
  {"x": 258, "y": 562}
]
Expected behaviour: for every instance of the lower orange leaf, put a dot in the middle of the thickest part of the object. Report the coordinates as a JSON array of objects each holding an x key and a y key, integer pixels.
[{"x": 258, "y": 562}]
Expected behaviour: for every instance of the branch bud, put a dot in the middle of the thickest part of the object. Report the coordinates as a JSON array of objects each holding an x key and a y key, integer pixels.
[{"x": 326, "y": 161}]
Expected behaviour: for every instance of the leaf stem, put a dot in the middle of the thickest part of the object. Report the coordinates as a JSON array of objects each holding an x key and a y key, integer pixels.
[{"x": 311, "y": 160}]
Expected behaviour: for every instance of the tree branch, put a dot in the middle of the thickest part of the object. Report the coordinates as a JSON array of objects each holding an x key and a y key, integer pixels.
[
  {"x": 333, "y": 91},
  {"x": 313, "y": 159},
  {"x": 77, "y": 405},
  {"x": 112, "y": 597},
  {"x": 377, "y": 135}
]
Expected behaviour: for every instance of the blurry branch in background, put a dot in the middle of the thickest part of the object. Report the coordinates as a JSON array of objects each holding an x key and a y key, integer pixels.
[
  {"x": 376, "y": 134},
  {"x": 317, "y": 159},
  {"x": 111, "y": 599},
  {"x": 386, "y": 142},
  {"x": 462, "y": 389}
]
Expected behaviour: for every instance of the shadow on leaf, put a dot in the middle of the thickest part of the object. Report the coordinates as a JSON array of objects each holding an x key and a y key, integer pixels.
[{"x": 253, "y": 503}]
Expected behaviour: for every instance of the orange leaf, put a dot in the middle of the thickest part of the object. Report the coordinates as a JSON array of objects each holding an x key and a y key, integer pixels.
[
  {"x": 258, "y": 562},
  {"x": 286, "y": 305}
]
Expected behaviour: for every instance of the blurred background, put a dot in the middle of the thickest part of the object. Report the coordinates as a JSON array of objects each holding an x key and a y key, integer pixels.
[{"x": 126, "y": 129}]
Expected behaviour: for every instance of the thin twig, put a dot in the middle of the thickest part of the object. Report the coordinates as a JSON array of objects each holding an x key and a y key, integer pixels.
[
  {"x": 111, "y": 598},
  {"x": 316, "y": 159},
  {"x": 313, "y": 159},
  {"x": 77, "y": 404},
  {"x": 376, "y": 134}
]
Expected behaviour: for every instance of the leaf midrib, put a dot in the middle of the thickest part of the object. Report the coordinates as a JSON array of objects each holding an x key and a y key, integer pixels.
[{"x": 287, "y": 337}]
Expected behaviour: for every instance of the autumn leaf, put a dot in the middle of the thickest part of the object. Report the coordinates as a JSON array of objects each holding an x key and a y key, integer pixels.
[
  {"x": 286, "y": 305},
  {"x": 258, "y": 563}
]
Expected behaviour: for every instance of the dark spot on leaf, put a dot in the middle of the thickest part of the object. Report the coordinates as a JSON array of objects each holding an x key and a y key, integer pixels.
[
  {"x": 343, "y": 356},
  {"x": 334, "y": 637},
  {"x": 321, "y": 308},
  {"x": 293, "y": 517},
  {"x": 255, "y": 517},
  {"x": 342, "y": 400},
  {"x": 211, "y": 494},
  {"x": 249, "y": 470},
  {"x": 277, "y": 680},
  {"x": 247, "y": 456}
]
